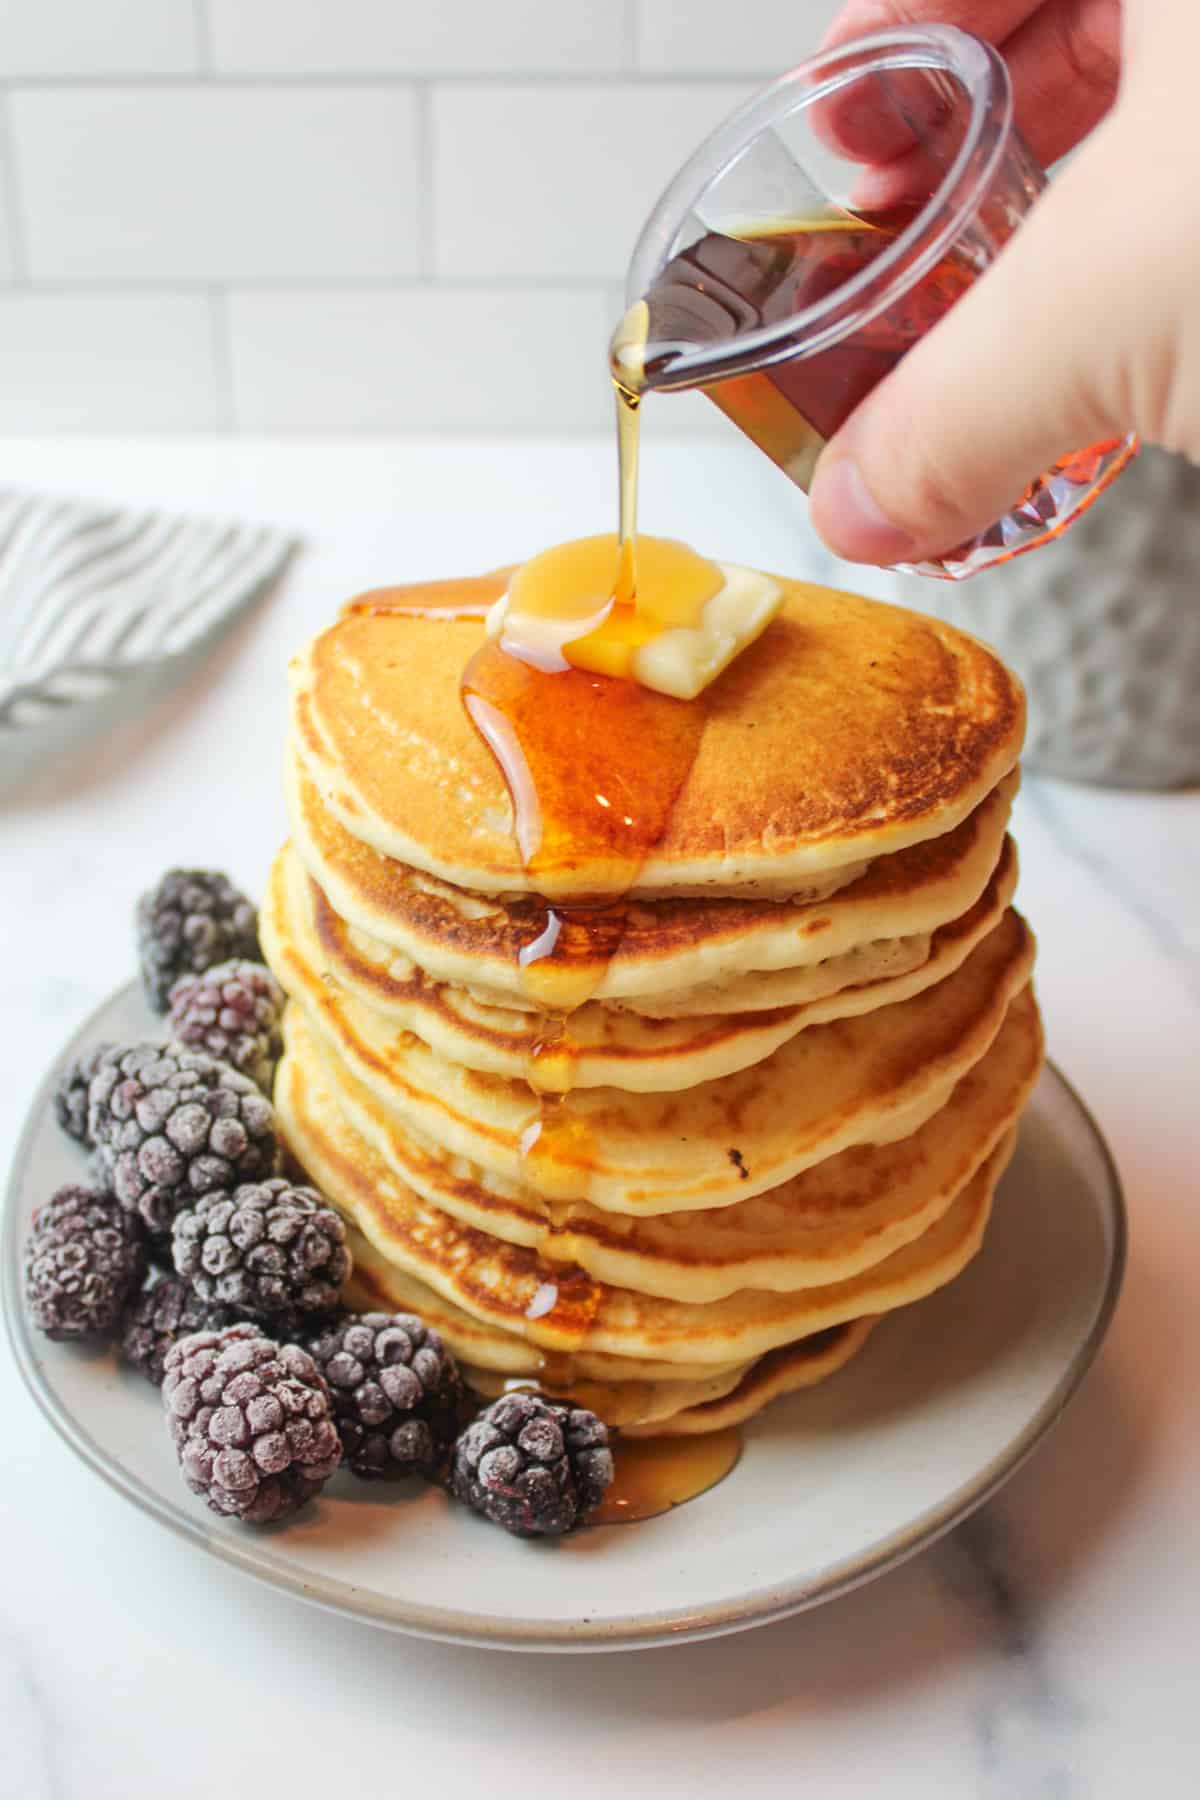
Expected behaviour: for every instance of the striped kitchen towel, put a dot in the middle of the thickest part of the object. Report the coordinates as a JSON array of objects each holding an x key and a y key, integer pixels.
[{"x": 103, "y": 607}]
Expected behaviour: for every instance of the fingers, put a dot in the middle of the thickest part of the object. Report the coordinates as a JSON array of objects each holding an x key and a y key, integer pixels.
[
  {"x": 882, "y": 117},
  {"x": 1065, "y": 62},
  {"x": 1063, "y": 56},
  {"x": 990, "y": 19},
  {"x": 885, "y": 116},
  {"x": 998, "y": 391}
]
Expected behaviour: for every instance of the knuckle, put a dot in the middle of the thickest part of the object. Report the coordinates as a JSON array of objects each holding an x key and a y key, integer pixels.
[
  {"x": 934, "y": 497},
  {"x": 1089, "y": 43}
]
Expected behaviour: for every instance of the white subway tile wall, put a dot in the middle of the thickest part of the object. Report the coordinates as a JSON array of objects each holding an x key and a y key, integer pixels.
[
  {"x": 419, "y": 359},
  {"x": 477, "y": 37},
  {"x": 555, "y": 179},
  {"x": 727, "y": 37},
  {"x": 70, "y": 38},
  {"x": 104, "y": 362},
  {"x": 136, "y": 184},
  {"x": 287, "y": 215}
]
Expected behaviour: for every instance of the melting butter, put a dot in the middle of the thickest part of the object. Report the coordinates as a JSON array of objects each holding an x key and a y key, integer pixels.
[
  {"x": 689, "y": 618},
  {"x": 683, "y": 660}
]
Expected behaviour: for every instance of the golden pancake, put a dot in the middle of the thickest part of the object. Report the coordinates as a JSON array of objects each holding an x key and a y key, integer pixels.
[
  {"x": 492, "y": 1032},
  {"x": 783, "y": 1371},
  {"x": 825, "y": 1225},
  {"x": 596, "y": 1045},
  {"x": 638, "y": 1397},
  {"x": 564, "y": 1311},
  {"x": 677, "y": 1408},
  {"x": 377, "y": 1285},
  {"x": 672, "y": 956},
  {"x": 866, "y": 1080},
  {"x": 622, "y": 1404},
  {"x": 849, "y": 730}
]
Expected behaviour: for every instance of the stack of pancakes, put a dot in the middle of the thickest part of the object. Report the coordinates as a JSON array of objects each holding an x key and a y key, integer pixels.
[{"x": 785, "y": 1106}]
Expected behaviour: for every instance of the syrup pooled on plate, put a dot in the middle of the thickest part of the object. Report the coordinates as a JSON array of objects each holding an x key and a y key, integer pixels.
[{"x": 654, "y": 1475}]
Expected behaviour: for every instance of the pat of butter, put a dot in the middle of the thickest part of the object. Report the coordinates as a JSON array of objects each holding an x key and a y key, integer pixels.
[
  {"x": 645, "y": 644},
  {"x": 683, "y": 660}
]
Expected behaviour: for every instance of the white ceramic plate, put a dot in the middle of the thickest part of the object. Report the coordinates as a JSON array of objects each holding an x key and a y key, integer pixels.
[{"x": 834, "y": 1486}]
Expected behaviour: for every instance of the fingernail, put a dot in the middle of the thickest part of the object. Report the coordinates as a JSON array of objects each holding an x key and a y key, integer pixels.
[{"x": 851, "y": 520}]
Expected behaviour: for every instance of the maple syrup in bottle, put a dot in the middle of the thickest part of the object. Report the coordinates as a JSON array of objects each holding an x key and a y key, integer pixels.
[
  {"x": 725, "y": 286},
  {"x": 722, "y": 287}
]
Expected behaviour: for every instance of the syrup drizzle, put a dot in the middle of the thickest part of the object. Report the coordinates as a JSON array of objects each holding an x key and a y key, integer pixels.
[
  {"x": 594, "y": 765},
  {"x": 465, "y": 597},
  {"x": 629, "y": 434},
  {"x": 627, "y": 365}
]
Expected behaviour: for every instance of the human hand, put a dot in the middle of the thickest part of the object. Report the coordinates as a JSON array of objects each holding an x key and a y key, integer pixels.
[{"x": 1087, "y": 325}]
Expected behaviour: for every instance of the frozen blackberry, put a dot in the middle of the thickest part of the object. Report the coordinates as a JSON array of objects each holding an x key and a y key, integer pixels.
[
  {"x": 266, "y": 1247},
  {"x": 83, "y": 1257},
  {"x": 251, "y": 1421},
  {"x": 155, "y": 1320},
  {"x": 71, "y": 1091},
  {"x": 233, "y": 1011},
  {"x": 191, "y": 920},
  {"x": 535, "y": 1466},
  {"x": 395, "y": 1391},
  {"x": 173, "y": 1124}
]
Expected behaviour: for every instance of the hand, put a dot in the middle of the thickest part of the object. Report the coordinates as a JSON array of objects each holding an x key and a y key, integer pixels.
[{"x": 1087, "y": 325}]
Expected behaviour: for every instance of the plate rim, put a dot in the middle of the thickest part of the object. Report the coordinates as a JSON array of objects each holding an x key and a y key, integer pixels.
[{"x": 760, "y": 1606}]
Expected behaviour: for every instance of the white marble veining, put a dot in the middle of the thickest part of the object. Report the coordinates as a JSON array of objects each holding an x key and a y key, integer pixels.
[{"x": 1044, "y": 1651}]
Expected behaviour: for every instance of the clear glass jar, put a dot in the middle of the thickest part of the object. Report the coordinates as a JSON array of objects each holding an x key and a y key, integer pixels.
[{"x": 826, "y": 225}]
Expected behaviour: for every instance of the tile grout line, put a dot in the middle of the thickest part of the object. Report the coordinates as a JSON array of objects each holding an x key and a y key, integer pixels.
[
  {"x": 492, "y": 433},
  {"x": 289, "y": 79},
  {"x": 10, "y": 188},
  {"x": 326, "y": 284}
]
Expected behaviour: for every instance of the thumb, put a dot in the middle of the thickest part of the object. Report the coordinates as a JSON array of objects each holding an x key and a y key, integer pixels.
[{"x": 1002, "y": 387}]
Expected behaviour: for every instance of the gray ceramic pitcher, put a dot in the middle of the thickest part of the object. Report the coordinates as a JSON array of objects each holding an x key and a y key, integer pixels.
[{"x": 1104, "y": 628}]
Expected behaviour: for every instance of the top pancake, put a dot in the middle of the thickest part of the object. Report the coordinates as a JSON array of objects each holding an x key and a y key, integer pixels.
[
  {"x": 671, "y": 956},
  {"x": 848, "y": 731}
]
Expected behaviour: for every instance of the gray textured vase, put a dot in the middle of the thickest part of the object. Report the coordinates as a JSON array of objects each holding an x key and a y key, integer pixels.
[{"x": 1104, "y": 628}]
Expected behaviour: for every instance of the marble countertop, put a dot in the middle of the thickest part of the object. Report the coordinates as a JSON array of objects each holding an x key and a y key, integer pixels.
[{"x": 1045, "y": 1649}]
